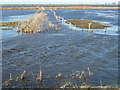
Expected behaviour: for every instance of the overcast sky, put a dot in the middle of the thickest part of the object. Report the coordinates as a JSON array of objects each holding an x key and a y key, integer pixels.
[{"x": 57, "y": 1}]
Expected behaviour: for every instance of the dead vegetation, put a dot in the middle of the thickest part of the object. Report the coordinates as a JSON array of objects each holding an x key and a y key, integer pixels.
[
  {"x": 8, "y": 82},
  {"x": 9, "y": 25},
  {"x": 39, "y": 22},
  {"x": 22, "y": 76},
  {"x": 83, "y": 77},
  {"x": 39, "y": 77}
]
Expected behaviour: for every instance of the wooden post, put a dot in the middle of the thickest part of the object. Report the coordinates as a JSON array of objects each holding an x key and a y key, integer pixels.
[
  {"x": 89, "y": 25},
  {"x": 105, "y": 29}
]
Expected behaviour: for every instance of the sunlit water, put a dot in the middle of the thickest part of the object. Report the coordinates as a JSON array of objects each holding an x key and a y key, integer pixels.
[{"x": 63, "y": 51}]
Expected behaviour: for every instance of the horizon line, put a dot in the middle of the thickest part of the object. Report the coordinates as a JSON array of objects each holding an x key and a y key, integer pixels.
[{"x": 59, "y": 3}]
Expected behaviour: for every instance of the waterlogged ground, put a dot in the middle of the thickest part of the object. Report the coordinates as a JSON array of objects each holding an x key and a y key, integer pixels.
[{"x": 65, "y": 51}]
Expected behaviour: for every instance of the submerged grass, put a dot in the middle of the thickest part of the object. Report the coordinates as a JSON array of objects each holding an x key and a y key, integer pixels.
[
  {"x": 9, "y": 24},
  {"x": 69, "y": 82},
  {"x": 85, "y": 24},
  {"x": 6, "y": 28}
]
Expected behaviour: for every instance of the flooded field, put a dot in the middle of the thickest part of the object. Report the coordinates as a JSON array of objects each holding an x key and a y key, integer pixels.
[
  {"x": 63, "y": 52},
  {"x": 5, "y": 6}
]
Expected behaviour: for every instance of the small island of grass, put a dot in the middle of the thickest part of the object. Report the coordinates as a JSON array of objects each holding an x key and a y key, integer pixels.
[
  {"x": 10, "y": 24},
  {"x": 84, "y": 24}
]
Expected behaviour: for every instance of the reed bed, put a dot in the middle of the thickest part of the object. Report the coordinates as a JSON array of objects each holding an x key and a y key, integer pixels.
[
  {"x": 83, "y": 77},
  {"x": 39, "y": 22}
]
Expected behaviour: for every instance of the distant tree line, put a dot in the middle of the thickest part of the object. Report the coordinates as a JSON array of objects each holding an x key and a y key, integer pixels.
[{"x": 113, "y": 3}]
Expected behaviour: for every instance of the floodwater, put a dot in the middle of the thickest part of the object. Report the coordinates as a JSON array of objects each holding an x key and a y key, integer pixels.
[
  {"x": 57, "y": 5},
  {"x": 65, "y": 51}
]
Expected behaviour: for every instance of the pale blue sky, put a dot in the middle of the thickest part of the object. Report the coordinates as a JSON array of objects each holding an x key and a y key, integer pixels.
[{"x": 57, "y": 1}]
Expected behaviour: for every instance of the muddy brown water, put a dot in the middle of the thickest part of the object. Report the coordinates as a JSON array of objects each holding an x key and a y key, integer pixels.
[{"x": 64, "y": 51}]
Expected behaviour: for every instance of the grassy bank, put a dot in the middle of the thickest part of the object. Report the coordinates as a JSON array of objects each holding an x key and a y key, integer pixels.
[
  {"x": 48, "y": 8},
  {"x": 85, "y": 24}
]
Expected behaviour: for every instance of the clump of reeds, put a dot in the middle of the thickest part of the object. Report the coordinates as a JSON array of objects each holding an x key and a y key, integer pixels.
[
  {"x": 68, "y": 85},
  {"x": 58, "y": 76},
  {"x": 6, "y": 83},
  {"x": 84, "y": 76},
  {"x": 39, "y": 22},
  {"x": 39, "y": 78},
  {"x": 22, "y": 76}
]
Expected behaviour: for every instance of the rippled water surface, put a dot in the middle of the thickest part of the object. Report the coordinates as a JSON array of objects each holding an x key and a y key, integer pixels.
[{"x": 64, "y": 51}]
